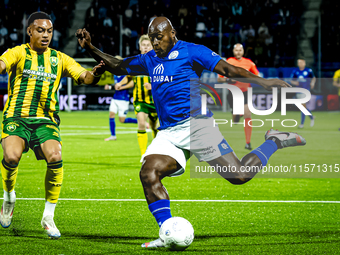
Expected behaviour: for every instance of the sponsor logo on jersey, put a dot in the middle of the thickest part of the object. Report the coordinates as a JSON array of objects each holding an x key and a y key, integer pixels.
[
  {"x": 214, "y": 54},
  {"x": 173, "y": 54},
  {"x": 137, "y": 108},
  {"x": 39, "y": 75},
  {"x": 159, "y": 69}
]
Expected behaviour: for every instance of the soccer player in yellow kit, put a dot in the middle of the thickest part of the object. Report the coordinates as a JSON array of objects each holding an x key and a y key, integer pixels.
[
  {"x": 30, "y": 116},
  {"x": 143, "y": 101}
]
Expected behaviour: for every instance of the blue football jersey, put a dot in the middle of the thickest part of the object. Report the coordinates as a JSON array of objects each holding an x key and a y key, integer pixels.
[
  {"x": 175, "y": 79},
  {"x": 121, "y": 94},
  {"x": 304, "y": 77}
]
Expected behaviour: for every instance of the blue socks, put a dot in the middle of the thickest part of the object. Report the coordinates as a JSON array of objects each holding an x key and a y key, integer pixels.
[
  {"x": 265, "y": 150},
  {"x": 304, "y": 116},
  {"x": 160, "y": 210},
  {"x": 130, "y": 120},
  {"x": 113, "y": 127}
]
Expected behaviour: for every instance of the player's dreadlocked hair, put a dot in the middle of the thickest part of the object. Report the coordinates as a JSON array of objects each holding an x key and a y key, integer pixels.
[{"x": 37, "y": 15}]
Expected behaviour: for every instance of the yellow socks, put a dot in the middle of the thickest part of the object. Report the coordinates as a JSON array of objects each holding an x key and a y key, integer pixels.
[
  {"x": 142, "y": 137},
  {"x": 53, "y": 181},
  {"x": 9, "y": 175}
]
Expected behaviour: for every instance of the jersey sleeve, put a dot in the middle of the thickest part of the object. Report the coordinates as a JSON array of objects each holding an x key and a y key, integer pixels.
[
  {"x": 72, "y": 68},
  {"x": 294, "y": 75},
  {"x": 136, "y": 65},
  {"x": 311, "y": 74},
  {"x": 11, "y": 57},
  {"x": 204, "y": 56},
  {"x": 253, "y": 69}
]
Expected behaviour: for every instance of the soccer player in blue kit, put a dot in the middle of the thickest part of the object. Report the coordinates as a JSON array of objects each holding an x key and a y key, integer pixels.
[
  {"x": 119, "y": 104},
  {"x": 172, "y": 66},
  {"x": 303, "y": 77}
]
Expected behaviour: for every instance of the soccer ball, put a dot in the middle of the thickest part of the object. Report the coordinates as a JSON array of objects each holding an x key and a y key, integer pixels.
[{"x": 176, "y": 233}]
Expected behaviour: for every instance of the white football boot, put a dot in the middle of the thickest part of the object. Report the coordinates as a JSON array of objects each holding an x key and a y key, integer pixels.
[
  {"x": 284, "y": 139},
  {"x": 154, "y": 244},
  {"x": 51, "y": 230},
  {"x": 6, "y": 214}
]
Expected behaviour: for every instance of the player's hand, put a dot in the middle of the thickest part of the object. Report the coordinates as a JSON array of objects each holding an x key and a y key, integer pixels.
[
  {"x": 118, "y": 86},
  {"x": 272, "y": 83},
  {"x": 84, "y": 37},
  {"x": 99, "y": 69},
  {"x": 107, "y": 87},
  {"x": 147, "y": 86}
]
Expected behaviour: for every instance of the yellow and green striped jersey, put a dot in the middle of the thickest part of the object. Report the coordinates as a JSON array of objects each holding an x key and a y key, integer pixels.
[
  {"x": 140, "y": 93},
  {"x": 34, "y": 80}
]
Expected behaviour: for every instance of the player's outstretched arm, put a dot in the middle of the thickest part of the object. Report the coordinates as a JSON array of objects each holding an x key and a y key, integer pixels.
[
  {"x": 112, "y": 64},
  {"x": 238, "y": 73},
  {"x": 92, "y": 77}
]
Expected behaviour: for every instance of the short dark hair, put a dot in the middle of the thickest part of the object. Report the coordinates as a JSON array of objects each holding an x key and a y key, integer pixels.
[{"x": 37, "y": 15}]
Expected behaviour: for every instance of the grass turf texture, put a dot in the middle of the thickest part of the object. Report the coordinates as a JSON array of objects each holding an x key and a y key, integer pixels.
[{"x": 97, "y": 169}]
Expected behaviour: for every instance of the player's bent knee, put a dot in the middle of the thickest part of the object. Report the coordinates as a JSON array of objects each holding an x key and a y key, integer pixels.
[
  {"x": 53, "y": 156},
  {"x": 12, "y": 158}
]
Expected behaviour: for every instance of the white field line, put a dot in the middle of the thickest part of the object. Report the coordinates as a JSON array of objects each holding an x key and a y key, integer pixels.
[
  {"x": 101, "y": 133},
  {"x": 95, "y": 127},
  {"x": 193, "y": 200}
]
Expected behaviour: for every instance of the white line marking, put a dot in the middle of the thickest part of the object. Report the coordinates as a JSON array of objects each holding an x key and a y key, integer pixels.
[
  {"x": 187, "y": 200},
  {"x": 96, "y": 127},
  {"x": 102, "y": 133}
]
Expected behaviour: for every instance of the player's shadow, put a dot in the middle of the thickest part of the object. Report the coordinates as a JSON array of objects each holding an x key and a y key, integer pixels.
[{"x": 107, "y": 238}]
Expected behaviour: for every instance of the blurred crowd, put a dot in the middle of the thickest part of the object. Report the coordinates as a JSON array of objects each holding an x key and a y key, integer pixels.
[
  {"x": 268, "y": 29},
  {"x": 12, "y": 20}
]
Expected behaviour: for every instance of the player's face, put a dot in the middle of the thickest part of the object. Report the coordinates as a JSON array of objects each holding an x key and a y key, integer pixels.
[
  {"x": 162, "y": 42},
  {"x": 301, "y": 64},
  {"x": 145, "y": 46},
  {"x": 40, "y": 32},
  {"x": 238, "y": 52}
]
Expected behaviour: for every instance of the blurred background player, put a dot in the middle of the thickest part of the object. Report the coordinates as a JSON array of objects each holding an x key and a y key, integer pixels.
[
  {"x": 119, "y": 104},
  {"x": 240, "y": 61},
  {"x": 143, "y": 101},
  {"x": 30, "y": 116},
  {"x": 336, "y": 82},
  {"x": 303, "y": 77}
]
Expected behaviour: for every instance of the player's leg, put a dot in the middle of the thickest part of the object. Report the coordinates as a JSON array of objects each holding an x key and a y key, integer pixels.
[
  {"x": 153, "y": 120},
  {"x": 13, "y": 147},
  {"x": 253, "y": 162},
  {"x": 310, "y": 116},
  {"x": 247, "y": 126},
  {"x": 142, "y": 136},
  {"x": 162, "y": 159},
  {"x": 122, "y": 112},
  {"x": 112, "y": 122},
  {"x": 51, "y": 150}
]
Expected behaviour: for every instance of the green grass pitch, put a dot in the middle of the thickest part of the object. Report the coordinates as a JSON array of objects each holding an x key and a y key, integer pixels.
[{"x": 95, "y": 169}]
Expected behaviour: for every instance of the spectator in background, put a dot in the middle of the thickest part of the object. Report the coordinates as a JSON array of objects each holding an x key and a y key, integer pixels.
[
  {"x": 201, "y": 10},
  {"x": 3, "y": 31},
  {"x": 236, "y": 9},
  {"x": 263, "y": 29},
  {"x": 107, "y": 22},
  {"x": 55, "y": 39},
  {"x": 14, "y": 37}
]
